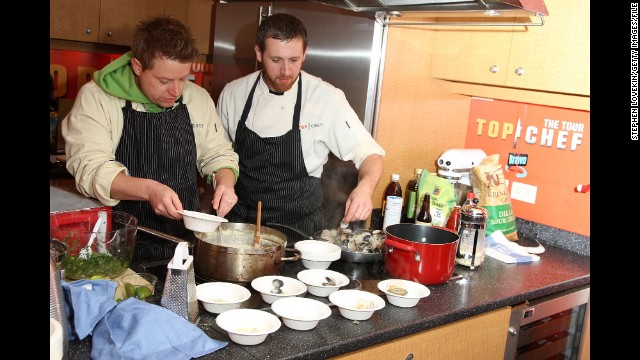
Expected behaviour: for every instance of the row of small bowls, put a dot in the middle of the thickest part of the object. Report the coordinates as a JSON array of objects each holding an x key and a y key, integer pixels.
[{"x": 251, "y": 326}]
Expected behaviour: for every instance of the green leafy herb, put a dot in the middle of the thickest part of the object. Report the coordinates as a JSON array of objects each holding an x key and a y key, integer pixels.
[{"x": 99, "y": 264}]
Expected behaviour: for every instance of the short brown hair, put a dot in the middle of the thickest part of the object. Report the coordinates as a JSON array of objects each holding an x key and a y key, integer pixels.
[
  {"x": 283, "y": 27},
  {"x": 163, "y": 37}
]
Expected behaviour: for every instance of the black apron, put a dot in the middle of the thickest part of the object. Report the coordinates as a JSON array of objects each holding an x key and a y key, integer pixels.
[
  {"x": 272, "y": 170},
  {"x": 159, "y": 146}
]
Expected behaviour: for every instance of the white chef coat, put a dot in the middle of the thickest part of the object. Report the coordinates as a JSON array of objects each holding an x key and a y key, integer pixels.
[{"x": 327, "y": 121}]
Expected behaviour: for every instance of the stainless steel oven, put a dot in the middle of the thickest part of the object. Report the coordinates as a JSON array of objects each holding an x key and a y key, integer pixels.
[{"x": 550, "y": 327}]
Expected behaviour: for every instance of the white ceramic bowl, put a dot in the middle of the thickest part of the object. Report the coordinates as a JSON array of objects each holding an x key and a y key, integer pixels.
[
  {"x": 290, "y": 287},
  {"x": 218, "y": 297},
  {"x": 310, "y": 264},
  {"x": 202, "y": 222},
  {"x": 356, "y": 304},
  {"x": 414, "y": 292},
  {"x": 314, "y": 279},
  {"x": 322, "y": 253},
  {"x": 300, "y": 313},
  {"x": 248, "y": 326}
]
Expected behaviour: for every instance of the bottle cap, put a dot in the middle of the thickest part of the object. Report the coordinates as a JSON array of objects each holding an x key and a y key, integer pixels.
[
  {"x": 418, "y": 170},
  {"x": 471, "y": 195},
  {"x": 395, "y": 177}
]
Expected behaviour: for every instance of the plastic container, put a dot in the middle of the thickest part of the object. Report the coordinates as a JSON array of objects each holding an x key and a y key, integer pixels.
[
  {"x": 392, "y": 202},
  {"x": 454, "y": 219},
  {"x": 110, "y": 253}
]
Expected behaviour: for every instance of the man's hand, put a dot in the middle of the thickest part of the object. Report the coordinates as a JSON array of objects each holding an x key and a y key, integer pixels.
[
  {"x": 224, "y": 195},
  {"x": 358, "y": 206}
]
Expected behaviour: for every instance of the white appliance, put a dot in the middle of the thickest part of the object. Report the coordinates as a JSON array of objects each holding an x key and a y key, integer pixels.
[{"x": 455, "y": 164}]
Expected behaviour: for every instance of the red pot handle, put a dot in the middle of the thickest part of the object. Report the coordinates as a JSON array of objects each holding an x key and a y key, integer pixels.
[
  {"x": 400, "y": 246},
  {"x": 391, "y": 244}
]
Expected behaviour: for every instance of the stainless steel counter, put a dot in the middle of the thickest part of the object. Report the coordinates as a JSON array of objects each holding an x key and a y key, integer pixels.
[{"x": 61, "y": 200}]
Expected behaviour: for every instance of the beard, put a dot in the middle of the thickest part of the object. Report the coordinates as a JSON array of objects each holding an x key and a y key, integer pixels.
[{"x": 280, "y": 83}]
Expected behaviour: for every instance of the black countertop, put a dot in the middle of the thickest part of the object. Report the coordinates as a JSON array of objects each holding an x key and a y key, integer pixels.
[{"x": 492, "y": 286}]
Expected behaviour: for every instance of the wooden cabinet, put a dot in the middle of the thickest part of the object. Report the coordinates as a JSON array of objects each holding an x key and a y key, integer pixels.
[
  {"x": 74, "y": 20},
  {"x": 199, "y": 19},
  {"x": 479, "y": 337},
  {"x": 553, "y": 57},
  {"x": 114, "y": 21},
  {"x": 119, "y": 18}
]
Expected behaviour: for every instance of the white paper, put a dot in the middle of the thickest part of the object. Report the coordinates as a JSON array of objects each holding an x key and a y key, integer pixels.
[{"x": 498, "y": 247}]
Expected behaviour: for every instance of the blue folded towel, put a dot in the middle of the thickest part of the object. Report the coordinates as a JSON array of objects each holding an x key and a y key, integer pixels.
[
  {"x": 131, "y": 329},
  {"x": 87, "y": 301}
]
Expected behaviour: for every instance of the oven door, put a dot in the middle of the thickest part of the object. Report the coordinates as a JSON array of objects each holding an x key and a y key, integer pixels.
[{"x": 548, "y": 327}]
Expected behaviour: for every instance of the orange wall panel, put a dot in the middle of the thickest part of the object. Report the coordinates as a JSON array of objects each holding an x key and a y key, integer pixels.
[{"x": 545, "y": 154}]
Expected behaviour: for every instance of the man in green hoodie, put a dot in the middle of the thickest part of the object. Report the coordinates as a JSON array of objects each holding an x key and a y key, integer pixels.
[{"x": 138, "y": 135}]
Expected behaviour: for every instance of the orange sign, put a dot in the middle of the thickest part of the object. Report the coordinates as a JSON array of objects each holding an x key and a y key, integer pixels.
[
  {"x": 72, "y": 69},
  {"x": 545, "y": 154}
]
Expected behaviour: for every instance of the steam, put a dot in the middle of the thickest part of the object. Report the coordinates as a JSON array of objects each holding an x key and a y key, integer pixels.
[{"x": 339, "y": 178}]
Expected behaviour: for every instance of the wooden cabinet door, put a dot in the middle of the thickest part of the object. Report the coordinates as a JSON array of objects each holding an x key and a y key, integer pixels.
[
  {"x": 554, "y": 57},
  {"x": 199, "y": 19},
  {"x": 119, "y": 18},
  {"x": 480, "y": 337},
  {"x": 74, "y": 20},
  {"x": 472, "y": 54}
]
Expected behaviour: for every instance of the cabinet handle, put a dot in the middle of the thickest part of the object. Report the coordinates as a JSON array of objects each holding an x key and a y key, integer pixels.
[
  {"x": 409, "y": 357},
  {"x": 519, "y": 71},
  {"x": 109, "y": 33},
  {"x": 88, "y": 30},
  {"x": 494, "y": 69}
]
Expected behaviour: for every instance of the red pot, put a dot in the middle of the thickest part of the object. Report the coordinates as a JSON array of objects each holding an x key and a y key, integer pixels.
[{"x": 425, "y": 254}]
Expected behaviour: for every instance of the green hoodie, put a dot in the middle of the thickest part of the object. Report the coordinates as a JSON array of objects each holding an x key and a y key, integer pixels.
[{"x": 118, "y": 79}]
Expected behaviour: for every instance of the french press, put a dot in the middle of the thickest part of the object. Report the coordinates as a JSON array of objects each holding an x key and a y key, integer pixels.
[{"x": 473, "y": 221}]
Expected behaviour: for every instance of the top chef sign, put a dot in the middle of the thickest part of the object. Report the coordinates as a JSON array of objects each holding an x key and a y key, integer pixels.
[{"x": 545, "y": 153}]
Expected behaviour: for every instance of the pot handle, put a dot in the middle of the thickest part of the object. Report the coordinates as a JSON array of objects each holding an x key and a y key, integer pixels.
[
  {"x": 391, "y": 244},
  {"x": 296, "y": 255},
  {"x": 271, "y": 224},
  {"x": 162, "y": 235}
]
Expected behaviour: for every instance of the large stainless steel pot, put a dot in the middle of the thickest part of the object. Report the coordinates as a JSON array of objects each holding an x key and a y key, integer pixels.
[{"x": 228, "y": 254}]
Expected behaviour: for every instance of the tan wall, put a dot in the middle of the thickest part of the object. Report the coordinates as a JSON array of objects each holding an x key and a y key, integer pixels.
[{"x": 418, "y": 118}]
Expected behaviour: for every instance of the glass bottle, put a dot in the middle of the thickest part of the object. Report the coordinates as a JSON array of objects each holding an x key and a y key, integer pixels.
[
  {"x": 412, "y": 196},
  {"x": 454, "y": 219},
  {"x": 392, "y": 203},
  {"x": 424, "y": 216}
]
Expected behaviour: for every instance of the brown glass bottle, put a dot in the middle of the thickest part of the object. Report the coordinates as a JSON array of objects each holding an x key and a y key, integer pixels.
[{"x": 424, "y": 216}]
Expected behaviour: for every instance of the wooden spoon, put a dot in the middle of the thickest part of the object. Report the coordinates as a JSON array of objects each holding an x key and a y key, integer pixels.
[{"x": 256, "y": 242}]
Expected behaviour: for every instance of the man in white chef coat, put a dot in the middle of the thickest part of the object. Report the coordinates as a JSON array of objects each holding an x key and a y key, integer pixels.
[{"x": 283, "y": 122}]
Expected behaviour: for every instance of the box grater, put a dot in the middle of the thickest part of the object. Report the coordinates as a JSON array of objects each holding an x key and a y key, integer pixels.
[{"x": 179, "y": 294}]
